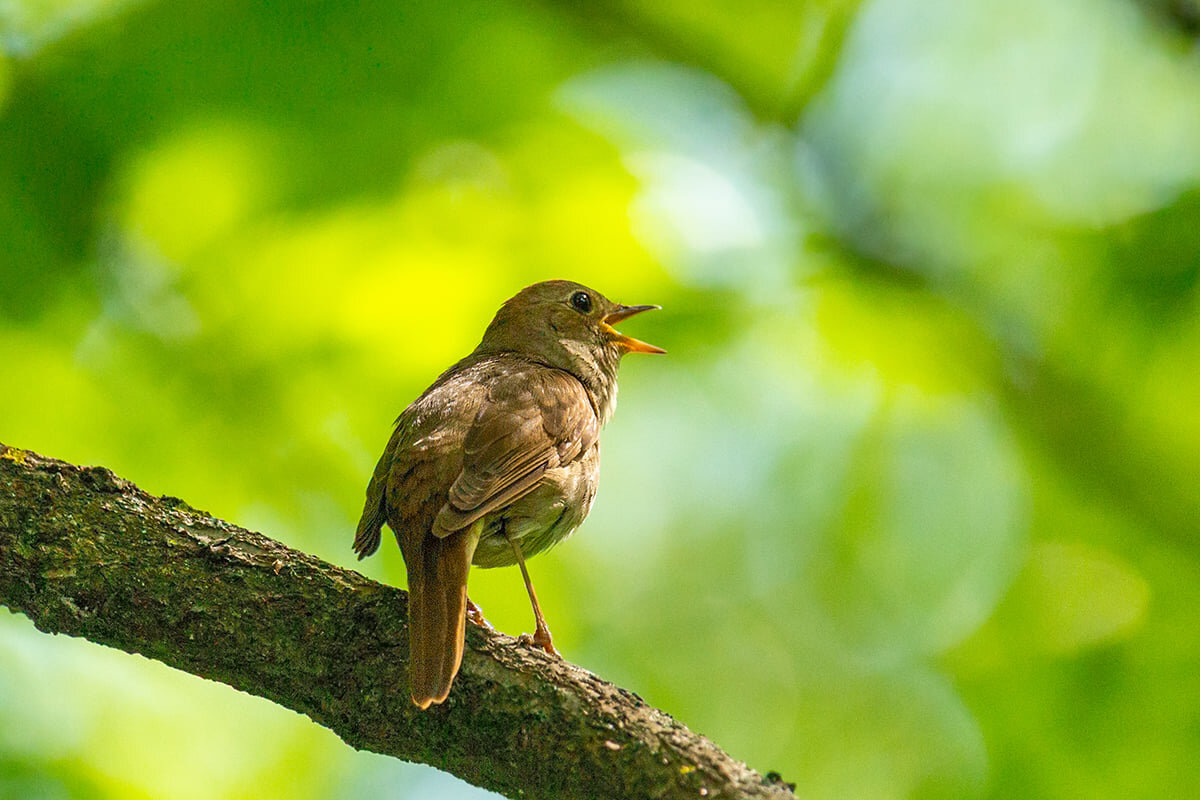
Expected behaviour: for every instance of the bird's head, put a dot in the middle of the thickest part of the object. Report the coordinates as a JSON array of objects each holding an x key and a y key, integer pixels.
[{"x": 565, "y": 325}]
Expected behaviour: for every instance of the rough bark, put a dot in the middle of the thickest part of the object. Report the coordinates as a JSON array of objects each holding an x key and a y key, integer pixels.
[{"x": 85, "y": 553}]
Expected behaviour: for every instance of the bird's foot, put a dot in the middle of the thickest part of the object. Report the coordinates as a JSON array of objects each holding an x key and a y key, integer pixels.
[
  {"x": 476, "y": 616},
  {"x": 541, "y": 640}
]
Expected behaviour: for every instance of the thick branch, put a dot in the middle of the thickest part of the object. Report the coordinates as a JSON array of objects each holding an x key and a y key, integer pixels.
[{"x": 88, "y": 554}]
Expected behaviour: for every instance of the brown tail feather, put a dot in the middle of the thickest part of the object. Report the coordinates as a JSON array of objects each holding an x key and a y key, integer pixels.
[{"x": 437, "y": 614}]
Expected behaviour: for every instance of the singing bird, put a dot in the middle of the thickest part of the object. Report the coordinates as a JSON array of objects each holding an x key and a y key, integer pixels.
[{"x": 497, "y": 461}]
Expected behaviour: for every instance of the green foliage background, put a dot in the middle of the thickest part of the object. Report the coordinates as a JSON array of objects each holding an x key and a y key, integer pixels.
[{"x": 911, "y": 510}]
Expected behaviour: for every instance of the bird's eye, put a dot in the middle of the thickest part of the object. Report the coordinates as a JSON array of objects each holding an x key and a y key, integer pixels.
[{"x": 582, "y": 302}]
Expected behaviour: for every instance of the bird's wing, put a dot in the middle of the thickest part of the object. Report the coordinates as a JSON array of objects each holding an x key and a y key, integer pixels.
[{"x": 535, "y": 419}]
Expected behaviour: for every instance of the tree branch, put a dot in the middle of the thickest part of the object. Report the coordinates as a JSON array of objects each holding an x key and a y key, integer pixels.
[{"x": 88, "y": 554}]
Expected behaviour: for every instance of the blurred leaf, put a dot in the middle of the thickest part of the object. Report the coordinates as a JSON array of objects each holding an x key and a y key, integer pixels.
[{"x": 1074, "y": 597}]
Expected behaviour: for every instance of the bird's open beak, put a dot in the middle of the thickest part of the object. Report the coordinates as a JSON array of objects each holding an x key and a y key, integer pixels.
[{"x": 627, "y": 343}]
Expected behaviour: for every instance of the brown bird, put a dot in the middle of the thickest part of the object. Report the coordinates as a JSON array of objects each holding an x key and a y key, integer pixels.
[{"x": 497, "y": 461}]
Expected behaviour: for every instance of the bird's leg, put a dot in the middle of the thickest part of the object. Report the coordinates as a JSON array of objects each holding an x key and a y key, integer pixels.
[
  {"x": 541, "y": 635},
  {"x": 475, "y": 615}
]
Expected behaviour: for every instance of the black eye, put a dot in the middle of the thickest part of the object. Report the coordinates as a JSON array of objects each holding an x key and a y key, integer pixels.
[{"x": 582, "y": 302}]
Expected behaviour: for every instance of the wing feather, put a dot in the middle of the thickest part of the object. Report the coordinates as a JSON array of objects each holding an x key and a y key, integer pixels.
[{"x": 536, "y": 420}]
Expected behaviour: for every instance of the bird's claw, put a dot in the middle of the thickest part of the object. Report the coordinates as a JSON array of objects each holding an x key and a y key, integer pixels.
[
  {"x": 475, "y": 615},
  {"x": 540, "y": 640}
]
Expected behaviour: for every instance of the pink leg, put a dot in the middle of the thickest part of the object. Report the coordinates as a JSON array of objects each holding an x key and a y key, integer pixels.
[{"x": 541, "y": 636}]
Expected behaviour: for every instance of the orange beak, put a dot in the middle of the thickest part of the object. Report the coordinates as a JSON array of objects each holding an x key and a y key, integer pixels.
[{"x": 627, "y": 343}]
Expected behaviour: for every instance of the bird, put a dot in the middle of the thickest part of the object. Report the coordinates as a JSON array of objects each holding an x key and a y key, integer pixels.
[{"x": 495, "y": 462}]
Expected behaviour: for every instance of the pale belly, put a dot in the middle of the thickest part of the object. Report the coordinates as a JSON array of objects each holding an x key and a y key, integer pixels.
[{"x": 542, "y": 518}]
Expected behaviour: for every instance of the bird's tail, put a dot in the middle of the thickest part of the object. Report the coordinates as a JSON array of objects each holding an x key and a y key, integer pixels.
[{"x": 437, "y": 605}]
